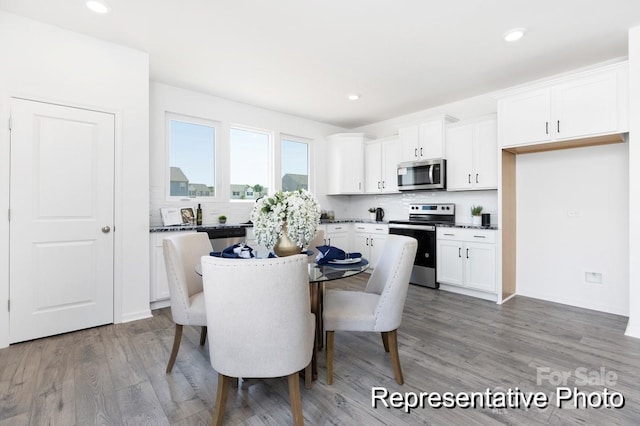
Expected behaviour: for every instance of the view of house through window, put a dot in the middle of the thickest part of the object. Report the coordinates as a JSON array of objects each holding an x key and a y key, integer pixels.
[
  {"x": 250, "y": 160},
  {"x": 295, "y": 164},
  {"x": 192, "y": 145}
]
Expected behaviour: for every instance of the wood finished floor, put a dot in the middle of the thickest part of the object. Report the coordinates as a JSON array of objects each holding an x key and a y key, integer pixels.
[{"x": 114, "y": 375}]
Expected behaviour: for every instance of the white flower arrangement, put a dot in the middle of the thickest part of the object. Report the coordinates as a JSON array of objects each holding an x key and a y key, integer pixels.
[{"x": 299, "y": 209}]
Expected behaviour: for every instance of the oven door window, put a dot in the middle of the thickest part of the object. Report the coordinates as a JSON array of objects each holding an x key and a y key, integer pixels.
[{"x": 426, "y": 253}]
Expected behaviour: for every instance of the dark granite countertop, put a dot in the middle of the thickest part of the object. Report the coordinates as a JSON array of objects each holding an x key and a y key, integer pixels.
[
  {"x": 197, "y": 227},
  {"x": 322, "y": 222},
  {"x": 330, "y": 221},
  {"x": 467, "y": 226}
]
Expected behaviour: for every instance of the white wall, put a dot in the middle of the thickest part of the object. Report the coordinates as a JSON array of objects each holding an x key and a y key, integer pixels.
[
  {"x": 633, "y": 328},
  {"x": 166, "y": 98},
  {"x": 46, "y": 63},
  {"x": 572, "y": 218}
]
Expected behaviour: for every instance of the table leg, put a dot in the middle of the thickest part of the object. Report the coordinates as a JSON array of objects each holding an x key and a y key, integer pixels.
[{"x": 315, "y": 309}]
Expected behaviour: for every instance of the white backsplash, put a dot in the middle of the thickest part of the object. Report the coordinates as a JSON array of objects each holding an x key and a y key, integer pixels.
[
  {"x": 236, "y": 212},
  {"x": 396, "y": 206}
]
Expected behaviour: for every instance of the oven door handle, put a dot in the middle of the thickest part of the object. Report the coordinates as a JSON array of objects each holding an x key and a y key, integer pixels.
[
  {"x": 416, "y": 227},
  {"x": 431, "y": 174}
]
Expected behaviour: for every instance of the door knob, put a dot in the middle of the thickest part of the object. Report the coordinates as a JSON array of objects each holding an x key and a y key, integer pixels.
[{"x": 106, "y": 229}]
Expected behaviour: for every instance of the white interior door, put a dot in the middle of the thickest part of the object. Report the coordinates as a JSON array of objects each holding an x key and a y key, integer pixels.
[{"x": 60, "y": 237}]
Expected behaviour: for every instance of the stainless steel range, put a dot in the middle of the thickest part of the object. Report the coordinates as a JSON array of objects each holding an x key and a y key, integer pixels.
[{"x": 421, "y": 225}]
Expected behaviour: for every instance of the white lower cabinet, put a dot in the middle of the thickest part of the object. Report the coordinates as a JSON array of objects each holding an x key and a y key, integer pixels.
[
  {"x": 337, "y": 235},
  {"x": 467, "y": 258},
  {"x": 368, "y": 239},
  {"x": 159, "y": 286}
]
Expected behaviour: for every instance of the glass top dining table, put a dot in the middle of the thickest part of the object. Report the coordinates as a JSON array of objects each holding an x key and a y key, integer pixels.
[
  {"x": 320, "y": 274},
  {"x": 326, "y": 272}
]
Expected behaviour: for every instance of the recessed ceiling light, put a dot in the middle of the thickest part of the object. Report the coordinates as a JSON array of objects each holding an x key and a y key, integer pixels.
[
  {"x": 514, "y": 34},
  {"x": 98, "y": 6},
  {"x": 353, "y": 97}
]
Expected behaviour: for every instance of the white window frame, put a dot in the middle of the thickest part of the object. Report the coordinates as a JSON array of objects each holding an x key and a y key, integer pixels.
[
  {"x": 271, "y": 165},
  {"x": 172, "y": 116},
  {"x": 298, "y": 139}
]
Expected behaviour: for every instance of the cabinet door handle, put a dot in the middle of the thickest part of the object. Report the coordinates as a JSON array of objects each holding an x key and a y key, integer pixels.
[
  {"x": 477, "y": 178},
  {"x": 546, "y": 127},
  {"x": 382, "y": 184},
  {"x": 367, "y": 242},
  {"x": 469, "y": 177},
  {"x": 449, "y": 235},
  {"x": 467, "y": 253},
  {"x": 459, "y": 251},
  {"x": 479, "y": 236},
  {"x": 420, "y": 151},
  {"x": 378, "y": 184},
  {"x": 558, "y": 126},
  {"x": 329, "y": 242},
  {"x": 372, "y": 242},
  {"x": 415, "y": 152}
]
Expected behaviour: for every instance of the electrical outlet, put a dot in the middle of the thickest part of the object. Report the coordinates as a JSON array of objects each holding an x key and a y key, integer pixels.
[{"x": 593, "y": 277}]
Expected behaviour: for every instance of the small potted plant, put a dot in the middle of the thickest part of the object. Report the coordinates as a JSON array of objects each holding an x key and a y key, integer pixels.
[
  {"x": 476, "y": 215},
  {"x": 372, "y": 213},
  {"x": 222, "y": 219}
]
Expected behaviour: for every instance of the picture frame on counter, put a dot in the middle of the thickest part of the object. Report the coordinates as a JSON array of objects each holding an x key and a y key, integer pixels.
[
  {"x": 188, "y": 217},
  {"x": 171, "y": 216}
]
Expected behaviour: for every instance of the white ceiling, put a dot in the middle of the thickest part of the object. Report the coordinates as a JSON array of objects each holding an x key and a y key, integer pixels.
[{"x": 304, "y": 56}]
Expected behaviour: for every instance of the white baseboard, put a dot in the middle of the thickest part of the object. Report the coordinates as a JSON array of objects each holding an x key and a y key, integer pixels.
[
  {"x": 469, "y": 292},
  {"x": 633, "y": 329},
  {"x": 134, "y": 316},
  {"x": 158, "y": 304}
]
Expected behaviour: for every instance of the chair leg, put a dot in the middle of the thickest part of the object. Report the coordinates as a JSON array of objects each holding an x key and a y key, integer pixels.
[
  {"x": 221, "y": 399},
  {"x": 385, "y": 341},
  {"x": 296, "y": 401},
  {"x": 308, "y": 376},
  {"x": 395, "y": 358},
  {"x": 176, "y": 345},
  {"x": 203, "y": 335},
  {"x": 329, "y": 357}
]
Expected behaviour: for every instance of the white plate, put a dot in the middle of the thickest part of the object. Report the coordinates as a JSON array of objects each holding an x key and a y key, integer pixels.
[{"x": 345, "y": 261}]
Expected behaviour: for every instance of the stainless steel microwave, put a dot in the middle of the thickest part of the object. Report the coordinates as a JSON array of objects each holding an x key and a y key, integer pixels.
[{"x": 422, "y": 175}]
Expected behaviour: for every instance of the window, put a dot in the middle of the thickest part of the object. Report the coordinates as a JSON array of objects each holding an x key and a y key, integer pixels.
[
  {"x": 250, "y": 163},
  {"x": 192, "y": 146},
  {"x": 295, "y": 163}
]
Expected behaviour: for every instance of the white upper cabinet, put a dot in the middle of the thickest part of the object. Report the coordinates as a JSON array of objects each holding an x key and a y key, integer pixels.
[
  {"x": 345, "y": 165},
  {"x": 424, "y": 141},
  {"x": 381, "y": 159},
  {"x": 525, "y": 118},
  {"x": 472, "y": 155},
  {"x": 590, "y": 104}
]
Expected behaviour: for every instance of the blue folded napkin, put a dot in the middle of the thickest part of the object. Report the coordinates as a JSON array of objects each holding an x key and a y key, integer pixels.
[
  {"x": 236, "y": 251},
  {"x": 328, "y": 253}
]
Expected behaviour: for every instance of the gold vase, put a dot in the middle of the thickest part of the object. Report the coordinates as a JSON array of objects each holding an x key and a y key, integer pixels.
[{"x": 285, "y": 246}]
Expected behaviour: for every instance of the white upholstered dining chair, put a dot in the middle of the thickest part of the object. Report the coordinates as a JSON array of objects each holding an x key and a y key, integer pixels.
[
  {"x": 259, "y": 316},
  {"x": 379, "y": 307},
  {"x": 181, "y": 255}
]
